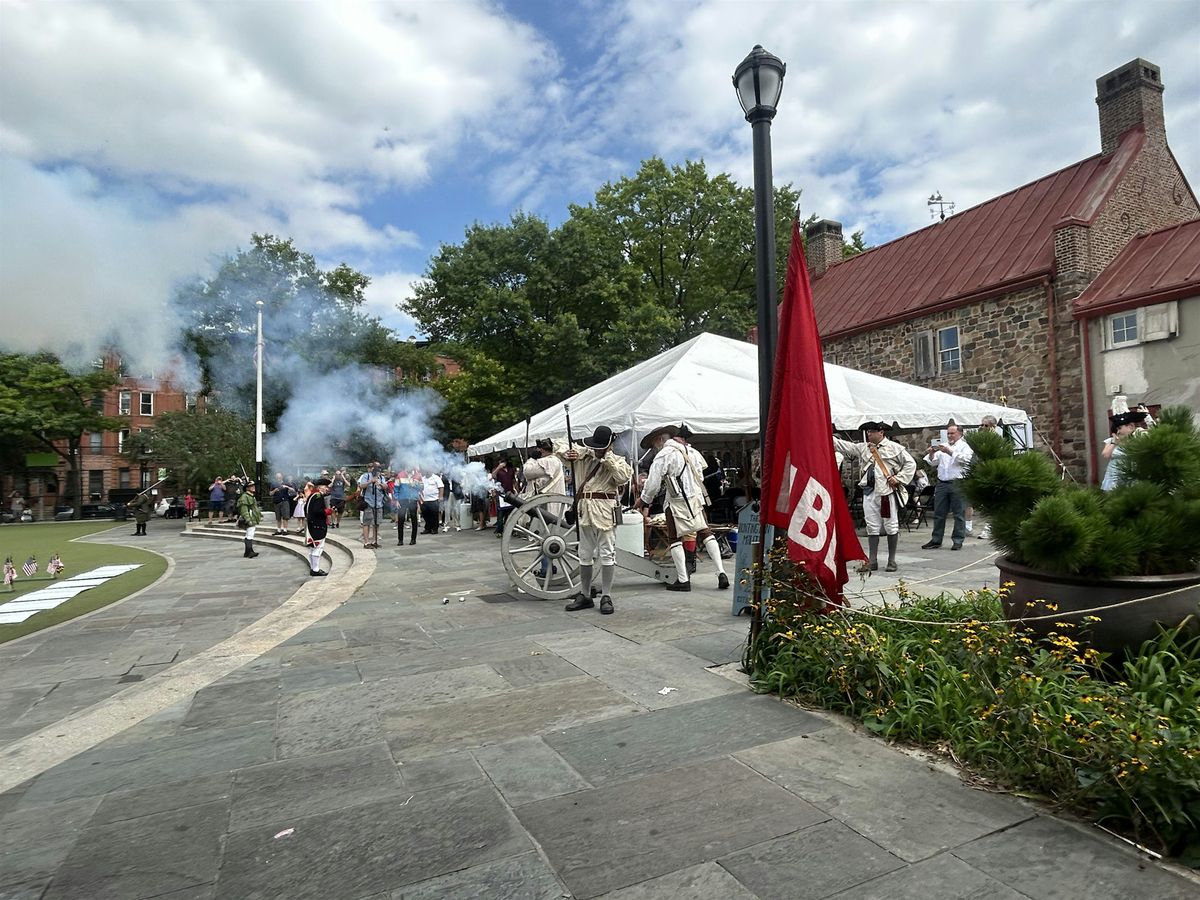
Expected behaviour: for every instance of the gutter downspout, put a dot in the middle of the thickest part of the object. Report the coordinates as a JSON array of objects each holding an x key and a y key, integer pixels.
[
  {"x": 1052, "y": 365},
  {"x": 1089, "y": 403}
]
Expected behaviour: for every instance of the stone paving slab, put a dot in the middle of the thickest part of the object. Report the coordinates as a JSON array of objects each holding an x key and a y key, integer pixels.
[
  {"x": 639, "y": 671},
  {"x": 313, "y": 784},
  {"x": 1050, "y": 860},
  {"x": 899, "y": 801},
  {"x": 536, "y": 709},
  {"x": 810, "y": 864},
  {"x": 369, "y": 848},
  {"x": 617, "y": 835},
  {"x": 134, "y": 804},
  {"x": 942, "y": 877},
  {"x": 238, "y": 703},
  {"x": 707, "y": 881},
  {"x": 632, "y": 745},
  {"x": 124, "y": 766},
  {"x": 536, "y": 667},
  {"x": 718, "y": 648},
  {"x": 37, "y": 840},
  {"x": 526, "y": 770},
  {"x": 146, "y": 857},
  {"x": 524, "y": 877}
]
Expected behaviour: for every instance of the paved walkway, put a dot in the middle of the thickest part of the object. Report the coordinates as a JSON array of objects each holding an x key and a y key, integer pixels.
[{"x": 435, "y": 736}]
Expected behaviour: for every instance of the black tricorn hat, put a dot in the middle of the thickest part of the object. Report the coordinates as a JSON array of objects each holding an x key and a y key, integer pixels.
[
  {"x": 545, "y": 444},
  {"x": 1128, "y": 418},
  {"x": 601, "y": 438},
  {"x": 876, "y": 426},
  {"x": 648, "y": 441}
]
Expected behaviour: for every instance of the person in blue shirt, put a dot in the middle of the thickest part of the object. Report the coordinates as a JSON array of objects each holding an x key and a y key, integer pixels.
[{"x": 406, "y": 495}]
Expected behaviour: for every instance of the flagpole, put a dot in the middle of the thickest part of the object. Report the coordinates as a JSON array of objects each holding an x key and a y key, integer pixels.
[{"x": 258, "y": 404}]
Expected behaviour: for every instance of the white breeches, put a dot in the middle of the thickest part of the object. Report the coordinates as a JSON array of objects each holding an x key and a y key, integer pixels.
[
  {"x": 594, "y": 543},
  {"x": 876, "y": 523}
]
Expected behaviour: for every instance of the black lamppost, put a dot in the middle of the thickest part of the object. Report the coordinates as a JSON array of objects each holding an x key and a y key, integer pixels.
[{"x": 759, "y": 82}]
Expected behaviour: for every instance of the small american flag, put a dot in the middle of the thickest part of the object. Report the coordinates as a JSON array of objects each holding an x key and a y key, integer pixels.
[{"x": 30, "y": 567}]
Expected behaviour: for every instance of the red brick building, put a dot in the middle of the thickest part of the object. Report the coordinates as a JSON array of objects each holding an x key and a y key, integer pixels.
[{"x": 981, "y": 304}]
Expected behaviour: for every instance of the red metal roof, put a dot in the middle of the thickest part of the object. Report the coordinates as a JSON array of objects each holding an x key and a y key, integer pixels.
[
  {"x": 991, "y": 248},
  {"x": 1153, "y": 268}
]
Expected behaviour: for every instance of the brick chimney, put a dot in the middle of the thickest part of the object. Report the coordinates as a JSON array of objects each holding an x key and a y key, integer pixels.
[
  {"x": 822, "y": 245},
  {"x": 1129, "y": 96}
]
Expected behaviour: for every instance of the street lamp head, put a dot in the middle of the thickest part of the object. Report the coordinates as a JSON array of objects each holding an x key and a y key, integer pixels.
[
  {"x": 258, "y": 303},
  {"x": 758, "y": 80}
]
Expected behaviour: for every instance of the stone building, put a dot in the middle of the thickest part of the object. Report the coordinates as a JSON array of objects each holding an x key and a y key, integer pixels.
[
  {"x": 1141, "y": 328},
  {"x": 980, "y": 304}
]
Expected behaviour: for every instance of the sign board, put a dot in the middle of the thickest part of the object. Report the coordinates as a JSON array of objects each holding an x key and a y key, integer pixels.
[
  {"x": 41, "y": 460},
  {"x": 748, "y": 526}
]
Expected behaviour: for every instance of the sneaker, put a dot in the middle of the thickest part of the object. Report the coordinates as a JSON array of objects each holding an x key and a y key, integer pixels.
[
  {"x": 985, "y": 533},
  {"x": 930, "y": 546}
]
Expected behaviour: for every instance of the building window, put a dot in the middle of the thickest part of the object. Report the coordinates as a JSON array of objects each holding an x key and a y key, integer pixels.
[
  {"x": 123, "y": 477},
  {"x": 949, "y": 353},
  {"x": 146, "y": 404},
  {"x": 95, "y": 484},
  {"x": 125, "y": 403},
  {"x": 1123, "y": 329},
  {"x": 95, "y": 441},
  {"x": 923, "y": 359},
  {"x": 98, "y": 403},
  {"x": 122, "y": 440}
]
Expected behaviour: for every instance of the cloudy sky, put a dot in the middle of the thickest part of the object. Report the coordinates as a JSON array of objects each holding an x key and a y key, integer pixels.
[{"x": 142, "y": 141}]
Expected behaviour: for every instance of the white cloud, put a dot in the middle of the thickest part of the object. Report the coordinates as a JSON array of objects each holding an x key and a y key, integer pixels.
[
  {"x": 383, "y": 294},
  {"x": 884, "y": 102},
  {"x": 141, "y": 140}
]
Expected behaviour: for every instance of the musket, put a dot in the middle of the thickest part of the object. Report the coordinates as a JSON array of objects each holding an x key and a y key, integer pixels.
[
  {"x": 574, "y": 479},
  {"x": 149, "y": 489}
]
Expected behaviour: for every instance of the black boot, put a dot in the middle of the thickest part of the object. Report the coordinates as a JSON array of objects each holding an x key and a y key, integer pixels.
[
  {"x": 580, "y": 602},
  {"x": 680, "y": 586},
  {"x": 249, "y": 554}
]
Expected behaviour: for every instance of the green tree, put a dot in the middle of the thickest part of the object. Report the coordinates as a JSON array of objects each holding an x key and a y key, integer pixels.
[
  {"x": 44, "y": 405},
  {"x": 652, "y": 261},
  {"x": 197, "y": 446},
  {"x": 854, "y": 246},
  {"x": 312, "y": 319}
]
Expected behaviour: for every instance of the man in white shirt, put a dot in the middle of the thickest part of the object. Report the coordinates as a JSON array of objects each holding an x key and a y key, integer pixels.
[
  {"x": 432, "y": 491},
  {"x": 951, "y": 459}
]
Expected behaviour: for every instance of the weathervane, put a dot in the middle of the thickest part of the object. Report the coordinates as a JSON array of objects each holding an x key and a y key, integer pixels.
[{"x": 942, "y": 206}]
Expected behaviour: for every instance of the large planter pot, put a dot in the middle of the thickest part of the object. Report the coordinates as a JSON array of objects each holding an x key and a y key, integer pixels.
[{"x": 1125, "y": 626}]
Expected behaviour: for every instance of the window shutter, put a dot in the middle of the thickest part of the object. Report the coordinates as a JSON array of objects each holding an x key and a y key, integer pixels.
[
  {"x": 1159, "y": 321},
  {"x": 923, "y": 358}
]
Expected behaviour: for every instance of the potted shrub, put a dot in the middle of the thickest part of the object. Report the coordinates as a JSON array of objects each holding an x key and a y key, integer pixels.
[{"x": 1076, "y": 548}]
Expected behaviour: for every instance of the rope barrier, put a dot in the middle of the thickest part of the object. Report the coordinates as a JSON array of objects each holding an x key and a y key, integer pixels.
[{"x": 1024, "y": 620}]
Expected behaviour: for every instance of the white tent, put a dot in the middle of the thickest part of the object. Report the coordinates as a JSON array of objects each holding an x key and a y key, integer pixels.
[{"x": 710, "y": 383}]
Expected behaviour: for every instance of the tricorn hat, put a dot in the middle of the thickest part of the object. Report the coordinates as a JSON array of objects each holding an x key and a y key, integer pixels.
[
  {"x": 648, "y": 441},
  {"x": 1128, "y": 418},
  {"x": 875, "y": 426},
  {"x": 545, "y": 444},
  {"x": 601, "y": 438}
]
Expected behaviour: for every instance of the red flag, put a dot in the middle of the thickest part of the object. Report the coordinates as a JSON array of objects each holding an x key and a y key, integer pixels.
[{"x": 802, "y": 492}]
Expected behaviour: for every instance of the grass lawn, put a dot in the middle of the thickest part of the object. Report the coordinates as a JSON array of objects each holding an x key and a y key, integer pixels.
[{"x": 41, "y": 541}]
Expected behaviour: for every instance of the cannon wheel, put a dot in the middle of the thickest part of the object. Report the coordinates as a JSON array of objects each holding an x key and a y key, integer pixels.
[{"x": 534, "y": 534}]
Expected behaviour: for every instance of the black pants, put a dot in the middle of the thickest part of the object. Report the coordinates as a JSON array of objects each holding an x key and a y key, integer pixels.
[
  {"x": 429, "y": 512},
  {"x": 406, "y": 512}
]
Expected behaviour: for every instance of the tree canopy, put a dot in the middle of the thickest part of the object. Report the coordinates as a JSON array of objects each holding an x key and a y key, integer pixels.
[
  {"x": 44, "y": 406},
  {"x": 313, "y": 321},
  {"x": 652, "y": 261},
  {"x": 198, "y": 446}
]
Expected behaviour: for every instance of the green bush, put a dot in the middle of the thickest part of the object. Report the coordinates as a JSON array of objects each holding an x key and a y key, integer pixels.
[
  {"x": 1148, "y": 525},
  {"x": 1031, "y": 714}
]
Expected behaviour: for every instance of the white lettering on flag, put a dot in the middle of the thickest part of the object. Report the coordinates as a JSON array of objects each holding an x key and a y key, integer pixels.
[{"x": 816, "y": 506}]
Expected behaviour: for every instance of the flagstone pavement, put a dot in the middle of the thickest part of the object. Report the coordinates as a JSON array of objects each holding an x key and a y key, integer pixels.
[{"x": 411, "y": 727}]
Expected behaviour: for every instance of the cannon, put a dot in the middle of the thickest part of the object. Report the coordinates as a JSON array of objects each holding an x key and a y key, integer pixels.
[{"x": 541, "y": 551}]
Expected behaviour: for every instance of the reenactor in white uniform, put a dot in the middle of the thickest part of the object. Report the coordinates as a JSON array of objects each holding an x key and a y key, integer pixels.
[
  {"x": 599, "y": 475},
  {"x": 887, "y": 470},
  {"x": 678, "y": 468}
]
